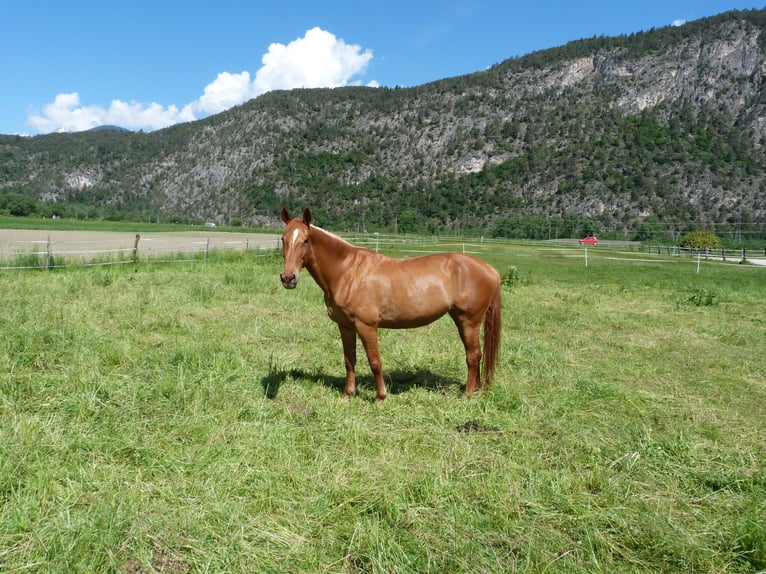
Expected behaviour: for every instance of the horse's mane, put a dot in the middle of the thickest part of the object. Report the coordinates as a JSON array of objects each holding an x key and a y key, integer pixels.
[
  {"x": 336, "y": 242},
  {"x": 329, "y": 234}
]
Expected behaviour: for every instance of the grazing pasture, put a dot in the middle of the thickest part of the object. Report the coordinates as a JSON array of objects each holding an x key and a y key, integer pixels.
[{"x": 188, "y": 417}]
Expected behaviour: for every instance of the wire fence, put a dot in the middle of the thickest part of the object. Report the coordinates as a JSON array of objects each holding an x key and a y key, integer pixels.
[
  {"x": 741, "y": 254},
  {"x": 38, "y": 250},
  {"x": 24, "y": 249}
]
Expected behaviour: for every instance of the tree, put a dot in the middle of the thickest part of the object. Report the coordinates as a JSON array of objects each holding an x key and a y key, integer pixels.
[
  {"x": 408, "y": 221},
  {"x": 650, "y": 229},
  {"x": 17, "y": 204}
]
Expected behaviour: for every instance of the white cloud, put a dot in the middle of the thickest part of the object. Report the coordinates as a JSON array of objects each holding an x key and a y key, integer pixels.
[
  {"x": 65, "y": 114},
  {"x": 225, "y": 91},
  {"x": 678, "y": 23},
  {"x": 319, "y": 59}
]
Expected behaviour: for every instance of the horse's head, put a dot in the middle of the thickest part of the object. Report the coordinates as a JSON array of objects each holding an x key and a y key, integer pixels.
[{"x": 295, "y": 246}]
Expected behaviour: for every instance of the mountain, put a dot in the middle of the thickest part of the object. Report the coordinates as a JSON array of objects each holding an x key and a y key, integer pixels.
[{"x": 659, "y": 128}]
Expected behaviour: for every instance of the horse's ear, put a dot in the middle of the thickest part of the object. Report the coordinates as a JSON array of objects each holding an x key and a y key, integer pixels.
[
  {"x": 285, "y": 215},
  {"x": 307, "y": 216}
]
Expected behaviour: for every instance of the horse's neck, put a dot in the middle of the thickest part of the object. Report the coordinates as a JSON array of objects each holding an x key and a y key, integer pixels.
[{"x": 329, "y": 254}]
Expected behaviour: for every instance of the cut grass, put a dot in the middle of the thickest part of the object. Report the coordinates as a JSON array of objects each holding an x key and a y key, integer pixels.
[{"x": 185, "y": 418}]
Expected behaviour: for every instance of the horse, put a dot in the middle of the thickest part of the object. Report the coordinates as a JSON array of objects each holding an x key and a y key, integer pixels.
[{"x": 364, "y": 291}]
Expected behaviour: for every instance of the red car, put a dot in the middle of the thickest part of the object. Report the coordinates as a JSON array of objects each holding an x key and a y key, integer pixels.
[{"x": 590, "y": 240}]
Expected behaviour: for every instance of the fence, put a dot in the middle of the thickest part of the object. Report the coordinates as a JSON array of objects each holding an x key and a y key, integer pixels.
[
  {"x": 721, "y": 254},
  {"x": 25, "y": 249}
]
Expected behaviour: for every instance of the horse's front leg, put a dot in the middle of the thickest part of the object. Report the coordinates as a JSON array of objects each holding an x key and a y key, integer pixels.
[
  {"x": 369, "y": 337},
  {"x": 348, "y": 336}
]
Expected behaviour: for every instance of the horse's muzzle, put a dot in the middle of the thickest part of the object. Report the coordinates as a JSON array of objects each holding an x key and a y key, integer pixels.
[{"x": 289, "y": 282}]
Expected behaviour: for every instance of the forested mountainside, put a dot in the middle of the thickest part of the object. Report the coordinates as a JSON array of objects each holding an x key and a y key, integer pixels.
[{"x": 663, "y": 129}]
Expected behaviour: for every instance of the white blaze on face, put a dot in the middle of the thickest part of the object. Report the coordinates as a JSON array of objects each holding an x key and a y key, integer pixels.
[{"x": 295, "y": 235}]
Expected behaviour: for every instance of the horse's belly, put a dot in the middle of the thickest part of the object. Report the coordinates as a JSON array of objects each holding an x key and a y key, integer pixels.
[
  {"x": 413, "y": 305},
  {"x": 409, "y": 323},
  {"x": 412, "y": 314}
]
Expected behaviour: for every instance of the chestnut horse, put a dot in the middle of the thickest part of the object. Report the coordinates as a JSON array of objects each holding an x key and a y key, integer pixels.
[{"x": 364, "y": 290}]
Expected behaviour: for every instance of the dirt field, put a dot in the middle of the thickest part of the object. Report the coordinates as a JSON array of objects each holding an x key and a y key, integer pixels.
[{"x": 98, "y": 244}]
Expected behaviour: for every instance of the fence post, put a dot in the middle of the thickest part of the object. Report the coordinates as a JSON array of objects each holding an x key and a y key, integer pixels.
[
  {"x": 48, "y": 254},
  {"x": 135, "y": 248},
  {"x": 207, "y": 248},
  {"x": 744, "y": 254},
  {"x": 723, "y": 254}
]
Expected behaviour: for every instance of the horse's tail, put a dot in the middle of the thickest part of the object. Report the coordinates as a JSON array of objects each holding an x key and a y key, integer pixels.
[{"x": 492, "y": 323}]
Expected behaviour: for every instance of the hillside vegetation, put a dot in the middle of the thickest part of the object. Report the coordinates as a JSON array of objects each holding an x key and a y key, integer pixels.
[{"x": 658, "y": 132}]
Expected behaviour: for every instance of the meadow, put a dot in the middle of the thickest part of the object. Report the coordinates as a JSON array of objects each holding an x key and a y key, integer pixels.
[{"x": 188, "y": 417}]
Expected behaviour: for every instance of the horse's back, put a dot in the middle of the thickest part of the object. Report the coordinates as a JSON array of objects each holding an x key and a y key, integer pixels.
[{"x": 459, "y": 280}]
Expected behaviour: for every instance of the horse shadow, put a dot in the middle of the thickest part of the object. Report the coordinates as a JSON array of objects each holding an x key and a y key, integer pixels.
[{"x": 397, "y": 381}]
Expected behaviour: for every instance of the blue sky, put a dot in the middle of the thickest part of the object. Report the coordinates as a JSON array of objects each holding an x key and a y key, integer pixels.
[{"x": 146, "y": 64}]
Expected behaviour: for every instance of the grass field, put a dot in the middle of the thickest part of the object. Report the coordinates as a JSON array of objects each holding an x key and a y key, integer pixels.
[{"x": 187, "y": 418}]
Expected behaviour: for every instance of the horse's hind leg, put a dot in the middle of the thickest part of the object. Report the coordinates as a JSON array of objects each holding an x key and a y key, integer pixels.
[
  {"x": 470, "y": 335},
  {"x": 348, "y": 336}
]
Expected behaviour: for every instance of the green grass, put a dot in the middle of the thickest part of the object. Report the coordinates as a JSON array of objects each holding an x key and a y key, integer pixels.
[{"x": 187, "y": 418}]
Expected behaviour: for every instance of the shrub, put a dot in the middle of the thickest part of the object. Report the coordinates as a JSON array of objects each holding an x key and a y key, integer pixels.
[
  {"x": 702, "y": 298},
  {"x": 700, "y": 240},
  {"x": 511, "y": 278}
]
